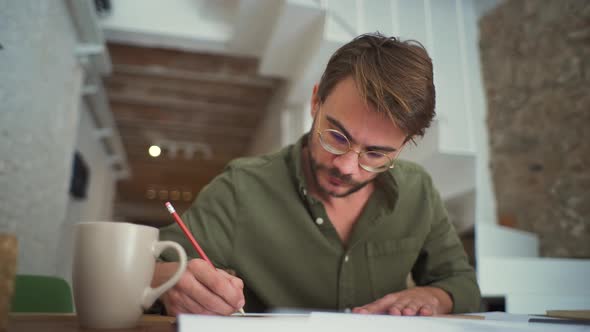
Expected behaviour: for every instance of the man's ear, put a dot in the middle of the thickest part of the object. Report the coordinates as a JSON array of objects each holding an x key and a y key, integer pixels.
[{"x": 315, "y": 101}]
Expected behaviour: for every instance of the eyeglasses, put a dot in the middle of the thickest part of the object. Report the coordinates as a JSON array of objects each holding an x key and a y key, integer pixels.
[{"x": 337, "y": 143}]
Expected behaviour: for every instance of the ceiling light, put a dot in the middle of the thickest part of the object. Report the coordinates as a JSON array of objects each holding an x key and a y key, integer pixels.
[{"x": 154, "y": 151}]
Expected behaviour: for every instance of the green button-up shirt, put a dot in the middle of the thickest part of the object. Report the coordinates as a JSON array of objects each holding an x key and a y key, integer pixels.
[{"x": 257, "y": 219}]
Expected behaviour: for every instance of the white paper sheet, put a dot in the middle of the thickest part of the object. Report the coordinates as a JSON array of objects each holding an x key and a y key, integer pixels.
[
  {"x": 248, "y": 323},
  {"x": 323, "y": 322},
  {"x": 348, "y": 322}
]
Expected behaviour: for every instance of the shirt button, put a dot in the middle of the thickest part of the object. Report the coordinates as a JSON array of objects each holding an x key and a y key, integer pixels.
[
  {"x": 304, "y": 192},
  {"x": 345, "y": 258},
  {"x": 319, "y": 221}
]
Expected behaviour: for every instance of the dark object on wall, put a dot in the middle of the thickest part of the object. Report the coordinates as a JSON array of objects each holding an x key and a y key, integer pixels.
[
  {"x": 80, "y": 177},
  {"x": 103, "y": 7}
]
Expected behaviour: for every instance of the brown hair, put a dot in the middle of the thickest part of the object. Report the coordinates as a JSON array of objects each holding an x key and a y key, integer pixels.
[{"x": 394, "y": 76}]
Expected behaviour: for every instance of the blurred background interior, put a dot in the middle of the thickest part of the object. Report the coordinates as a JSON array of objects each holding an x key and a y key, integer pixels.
[{"x": 109, "y": 108}]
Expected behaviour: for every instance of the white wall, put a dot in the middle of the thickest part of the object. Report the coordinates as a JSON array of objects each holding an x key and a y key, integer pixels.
[
  {"x": 42, "y": 122},
  {"x": 461, "y": 211},
  {"x": 188, "y": 24},
  {"x": 533, "y": 285},
  {"x": 40, "y": 81},
  {"x": 282, "y": 125},
  {"x": 98, "y": 204},
  {"x": 268, "y": 135}
]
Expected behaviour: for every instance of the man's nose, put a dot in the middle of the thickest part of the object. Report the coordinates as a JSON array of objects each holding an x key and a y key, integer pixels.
[{"x": 347, "y": 163}]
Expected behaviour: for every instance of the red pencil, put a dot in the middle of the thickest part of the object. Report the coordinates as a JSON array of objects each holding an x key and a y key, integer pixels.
[
  {"x": 188, "y": 233},
  {"x": 191, "y": 238}
]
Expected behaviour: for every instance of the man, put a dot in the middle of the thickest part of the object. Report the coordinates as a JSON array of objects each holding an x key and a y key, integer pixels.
[{"x": 336, "y": 221}]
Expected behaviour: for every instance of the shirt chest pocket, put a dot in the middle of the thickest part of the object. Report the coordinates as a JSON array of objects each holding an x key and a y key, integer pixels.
[{"x": 390, "y": 262}]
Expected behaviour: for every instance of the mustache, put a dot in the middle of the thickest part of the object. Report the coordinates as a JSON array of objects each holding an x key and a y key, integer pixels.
[{"x": 334, "y": 172}]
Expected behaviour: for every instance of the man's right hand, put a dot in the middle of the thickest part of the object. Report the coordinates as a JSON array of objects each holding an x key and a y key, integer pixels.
[{"x": 202, "y": 289}]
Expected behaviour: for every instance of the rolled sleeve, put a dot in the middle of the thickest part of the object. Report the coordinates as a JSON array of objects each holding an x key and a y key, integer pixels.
[{"x": 443, "y": 262}]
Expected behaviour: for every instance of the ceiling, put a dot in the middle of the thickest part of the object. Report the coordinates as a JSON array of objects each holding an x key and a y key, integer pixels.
[{"x": 202, "y": 109}]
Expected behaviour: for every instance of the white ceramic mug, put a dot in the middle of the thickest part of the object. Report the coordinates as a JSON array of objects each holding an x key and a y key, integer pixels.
[{"x": 113, "y": 267}]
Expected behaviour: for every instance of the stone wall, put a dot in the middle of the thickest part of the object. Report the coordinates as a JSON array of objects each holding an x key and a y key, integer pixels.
[{"x": 536, "y": 68}]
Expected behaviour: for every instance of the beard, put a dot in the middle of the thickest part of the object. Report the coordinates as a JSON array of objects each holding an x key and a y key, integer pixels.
[{"x": 316, "y": 167}]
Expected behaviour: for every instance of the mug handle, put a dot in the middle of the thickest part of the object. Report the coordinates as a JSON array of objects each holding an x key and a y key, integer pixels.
[{"x": 151, "y": 294}]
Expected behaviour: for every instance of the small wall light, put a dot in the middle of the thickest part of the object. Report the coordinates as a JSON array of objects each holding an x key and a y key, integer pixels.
[{"x": 154, "y": 151}]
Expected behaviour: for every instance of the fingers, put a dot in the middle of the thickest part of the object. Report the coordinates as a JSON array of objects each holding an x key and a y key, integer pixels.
[
  {"x": 214, "y": 289},
  {"x": 402, "y": 307},
  {"x": 209, "y": 297},
  {"x": 203, "y": 289},
  {"x": 176, "y": 303},
  {"x": 411, "y": 309},
  {"x": 426, "y": 310},
  {"x": 396, "y": 310},
  {"x": 380, "y": 306},
  {"x": 237, "y": 282},
  {"x": 412, "y": 302}
]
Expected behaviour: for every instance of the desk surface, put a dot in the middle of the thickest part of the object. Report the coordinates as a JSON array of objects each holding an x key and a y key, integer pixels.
[{"x": 69, "y": 323}]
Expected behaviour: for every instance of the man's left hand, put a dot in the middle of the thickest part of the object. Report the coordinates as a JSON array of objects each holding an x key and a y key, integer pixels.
[{"x": 417, "y": 301}]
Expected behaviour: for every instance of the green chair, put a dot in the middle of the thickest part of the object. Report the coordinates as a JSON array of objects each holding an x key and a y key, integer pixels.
[{"x": 34, "y": 293}]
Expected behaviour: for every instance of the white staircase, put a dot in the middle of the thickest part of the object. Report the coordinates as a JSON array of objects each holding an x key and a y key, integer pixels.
[{"x": 509, "y": 266}]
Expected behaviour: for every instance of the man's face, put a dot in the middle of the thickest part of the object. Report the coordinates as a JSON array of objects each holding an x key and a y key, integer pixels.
[{"x": 345, "y": 111}]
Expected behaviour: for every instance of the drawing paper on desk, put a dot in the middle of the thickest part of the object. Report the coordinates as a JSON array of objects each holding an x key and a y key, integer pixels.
[
  {"x": 370, "y": 323},
  {"x": 348, "y": 322},
  {"x": 320, "y": 322},
  {"x": 323, "y": 322},
  {"x": 250, "y": 323}
]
